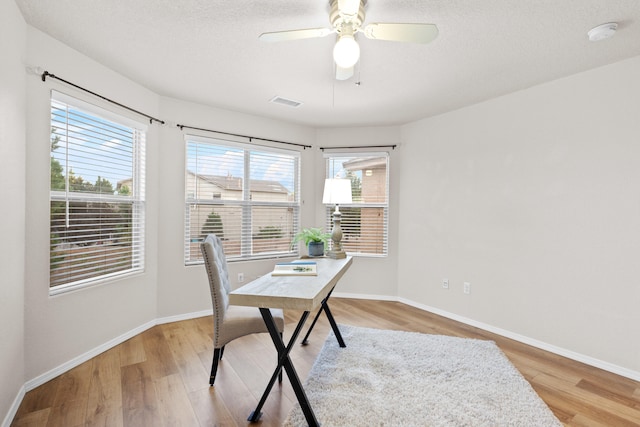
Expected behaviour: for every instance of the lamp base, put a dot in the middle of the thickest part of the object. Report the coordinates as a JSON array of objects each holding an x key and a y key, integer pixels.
[{"x": 337, "y": 254}]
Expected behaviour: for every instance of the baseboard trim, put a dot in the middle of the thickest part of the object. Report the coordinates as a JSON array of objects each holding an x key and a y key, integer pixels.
[
  {"x": 588, "y": 360},
  {"x": 13, "y": 410},
  {"x": 363, "y": 296},
  {"x": 578, "y": 357},
  {"x": 49, "y": 375},
  {"x": 61, "y": 369},
  {"x": 188, "y": 316}
]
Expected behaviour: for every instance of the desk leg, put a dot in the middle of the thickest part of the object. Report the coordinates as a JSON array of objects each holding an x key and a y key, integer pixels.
[
  {"x": 284, "y": 361},
  {"x": 325, "y": 307}
]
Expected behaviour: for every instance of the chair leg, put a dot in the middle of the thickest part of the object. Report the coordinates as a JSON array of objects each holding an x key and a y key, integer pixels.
[
  {"x": 280, "y": 373},
  {"x": 217, "y": 355},
  {"x": 221, "y": 352}
]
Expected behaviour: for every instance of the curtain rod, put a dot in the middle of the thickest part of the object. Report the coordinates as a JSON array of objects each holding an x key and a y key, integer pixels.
[
  {"x": 53, "y": 76},
  {"x": 393, "y": 147},
  {"x": 250, "y": 138}
]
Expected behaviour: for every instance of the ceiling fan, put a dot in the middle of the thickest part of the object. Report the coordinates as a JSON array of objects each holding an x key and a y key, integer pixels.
[{"x": 346, "y": 17}]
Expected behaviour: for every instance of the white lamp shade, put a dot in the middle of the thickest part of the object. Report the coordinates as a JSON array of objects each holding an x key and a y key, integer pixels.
[
  {"x": 337, "y": 191},
  {"x": 346, "y": 52}
]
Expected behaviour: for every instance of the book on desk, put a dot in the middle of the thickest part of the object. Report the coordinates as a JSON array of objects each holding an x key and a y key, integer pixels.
[{"x": 296, "y": 268}]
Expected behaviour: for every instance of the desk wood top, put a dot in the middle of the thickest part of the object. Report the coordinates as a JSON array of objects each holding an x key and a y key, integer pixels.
[{"x": 294, "y": 292}]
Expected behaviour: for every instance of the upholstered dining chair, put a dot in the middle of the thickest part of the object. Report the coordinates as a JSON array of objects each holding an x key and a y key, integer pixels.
[{"x": 229, "y": 321}]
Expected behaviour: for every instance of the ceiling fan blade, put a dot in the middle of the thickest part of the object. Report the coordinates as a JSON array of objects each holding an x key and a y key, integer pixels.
[
  {"x": 415, "y": 33},
  {"x": 343, "y": 73},
  {"x": 278, "y": 36},
  {"x": 349, "y": 7}
]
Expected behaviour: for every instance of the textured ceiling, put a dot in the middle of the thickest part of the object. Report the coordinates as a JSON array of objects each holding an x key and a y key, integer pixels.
[{"x": 207, "y": 51}]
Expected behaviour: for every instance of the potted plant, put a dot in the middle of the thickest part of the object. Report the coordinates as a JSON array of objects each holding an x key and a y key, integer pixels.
[{"x": 314, "y": 238}]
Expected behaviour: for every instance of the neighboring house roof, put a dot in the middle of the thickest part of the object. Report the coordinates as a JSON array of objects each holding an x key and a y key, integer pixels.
[
  {"x": 128, "y": 182},
  {"x": 235, "y": 184},
  {"x": 365, "y": 163}
]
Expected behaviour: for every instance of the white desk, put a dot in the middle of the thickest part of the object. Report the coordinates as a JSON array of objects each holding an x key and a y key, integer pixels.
[{"x": 305, "y": 293}]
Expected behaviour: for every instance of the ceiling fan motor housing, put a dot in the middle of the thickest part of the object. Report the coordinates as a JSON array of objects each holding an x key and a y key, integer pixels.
[{"x": 346, "y": 24}]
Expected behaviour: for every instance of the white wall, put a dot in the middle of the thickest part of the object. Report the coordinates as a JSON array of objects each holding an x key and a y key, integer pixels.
[
  {"x": 184, "y": 289},
  {"x": 369, "y": 277},
  {"x": 12, "y": 194},
  {"x": 59, "y": 329},
  {"x": 534, "y": 198}
]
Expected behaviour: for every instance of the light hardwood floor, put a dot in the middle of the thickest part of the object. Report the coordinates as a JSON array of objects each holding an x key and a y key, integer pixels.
[{"x": 160, "y": 377}]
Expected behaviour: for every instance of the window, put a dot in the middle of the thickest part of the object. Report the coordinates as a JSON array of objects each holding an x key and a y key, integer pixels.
[
  {"x": 96, "y": 195},
  {"x": 247, "y": 195},
  {"x": 365, "y": 220}
]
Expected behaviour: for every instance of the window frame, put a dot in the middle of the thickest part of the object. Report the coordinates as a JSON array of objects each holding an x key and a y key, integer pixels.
[
  {"x": 245, "y": 203},
  {"x": 344, "y": 207},
  {"x": 136, "y": 199}
]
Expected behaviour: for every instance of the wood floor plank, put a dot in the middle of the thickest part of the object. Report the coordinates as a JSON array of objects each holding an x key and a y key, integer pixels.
[
  {"x": 173, "y": 403},
  {"x": 619, "y": 394},
  {"x": 192, "y": 372},
  {"x": 531, "y": 367},
  {"x": 593, "y": 406},
  {"x": 104, "y": 401},
  {"x": 70, "y": 403},
  {"x": 159, "y": 359},
  {"x": 581, "y": 420},
  {"x": 234, "y": 392},
  {"x": 140, "y": 405},
  {"x": 33, "y": 419},
  {"x": 74, "y": 384},
  {"x": 253, "y": 370},
  {"x": 564, "y": 412},
  {"x": 201, "y": 336},
  {"x": 132, "y": 351},
  {"x": 160, "y": 377},
  {"x": 210, "y": 409},
  {"x": 42, "y": 397}
]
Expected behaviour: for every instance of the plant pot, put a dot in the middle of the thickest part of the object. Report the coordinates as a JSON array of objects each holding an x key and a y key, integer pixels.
[{"x": 316, "y": 248}]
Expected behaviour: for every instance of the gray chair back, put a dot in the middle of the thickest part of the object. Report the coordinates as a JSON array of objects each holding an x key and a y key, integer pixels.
[{"x": 216, "y": 265}]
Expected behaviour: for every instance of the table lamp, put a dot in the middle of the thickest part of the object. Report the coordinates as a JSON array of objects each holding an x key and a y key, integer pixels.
[{"x": 336, "y": 191}]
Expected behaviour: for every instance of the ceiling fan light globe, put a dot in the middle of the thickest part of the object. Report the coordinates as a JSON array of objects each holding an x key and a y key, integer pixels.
[{"x": 346, "y": 52}]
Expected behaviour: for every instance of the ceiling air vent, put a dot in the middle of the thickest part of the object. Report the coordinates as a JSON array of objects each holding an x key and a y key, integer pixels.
[{"x": 284, "y": 101}]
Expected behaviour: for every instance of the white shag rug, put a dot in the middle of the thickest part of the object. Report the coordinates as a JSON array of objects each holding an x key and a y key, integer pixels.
[{"x": 394, "y": 378}]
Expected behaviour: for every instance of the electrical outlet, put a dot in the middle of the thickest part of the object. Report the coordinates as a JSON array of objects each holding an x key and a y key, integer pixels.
[
  {"x": 241, "y": 277},
  {"x": 445, "y": 283},
  {"x": 467, "y": 288}
]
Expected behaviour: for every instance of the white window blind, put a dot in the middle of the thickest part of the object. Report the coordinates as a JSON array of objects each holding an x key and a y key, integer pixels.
[
  {"x": 365, "y": 220},
  {"x": 96, "y": 194},
  {"x": 247, "y": 195}
]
